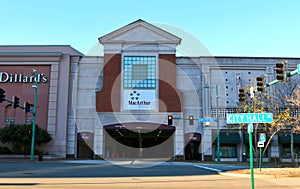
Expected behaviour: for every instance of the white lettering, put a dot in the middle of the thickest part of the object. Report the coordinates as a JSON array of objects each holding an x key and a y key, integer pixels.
[
  {"x": 3, "y": 77},
  {"x": 241, "y": 117},
  {"x": 229, "y": 118},
  {"x": 31, "y": 78},
  {"x": 25, "y": 79},
  {"x": 11, "y": 78},
  {"x": 16, "y": 78},
  {"x": 44, "y": 78},
  {"x": 20, "y": 78}
]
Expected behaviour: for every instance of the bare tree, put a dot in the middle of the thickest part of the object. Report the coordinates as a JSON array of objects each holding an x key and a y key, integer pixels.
[{"x": 277, "y": 100}]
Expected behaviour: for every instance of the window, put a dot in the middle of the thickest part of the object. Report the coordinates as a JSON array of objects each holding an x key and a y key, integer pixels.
[
  {"x": 10, "y": 114},
  {"x": 286, "y": 150},
  {"x": 139, "y": 72},
  {"x": 227, "y": 151}
]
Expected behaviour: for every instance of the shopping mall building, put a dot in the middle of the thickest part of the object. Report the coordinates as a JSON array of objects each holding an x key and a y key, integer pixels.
[{"x": 117, "y": 105}]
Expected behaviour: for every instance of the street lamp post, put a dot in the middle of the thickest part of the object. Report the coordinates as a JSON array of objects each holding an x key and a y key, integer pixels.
[
  {"x": 34, "y": 72},
  {"x": 217, "y": 120},
  {"x": 218, "y": 126}
]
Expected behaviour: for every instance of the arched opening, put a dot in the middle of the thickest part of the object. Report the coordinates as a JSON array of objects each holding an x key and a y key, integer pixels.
[
  {"x": 85, "y": 143},
  {"x": 139, "y": 140},
  {"x": 10, "y": 114},
  {"x": 192, "y": 147}
]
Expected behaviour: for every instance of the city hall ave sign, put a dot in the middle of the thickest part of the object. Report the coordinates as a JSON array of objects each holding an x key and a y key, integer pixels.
[{"x": 249, "y": 118}]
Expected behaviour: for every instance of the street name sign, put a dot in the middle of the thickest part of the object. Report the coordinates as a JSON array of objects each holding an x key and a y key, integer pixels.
[
  {"x": 249, "y": 118},
  {"x": 206, "y": 119}
]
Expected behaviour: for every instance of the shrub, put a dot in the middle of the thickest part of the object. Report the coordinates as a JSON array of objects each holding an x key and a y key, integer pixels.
[{"x": 20, "y": 135}]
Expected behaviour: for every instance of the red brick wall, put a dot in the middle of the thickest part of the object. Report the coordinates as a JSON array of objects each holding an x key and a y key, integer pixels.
[
  {"x": 25, "y": 92},
  {"x": 108, "y": 99},
  {"x": 170, "y": 97}
]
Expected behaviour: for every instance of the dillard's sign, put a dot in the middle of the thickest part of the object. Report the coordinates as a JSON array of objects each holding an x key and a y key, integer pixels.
[{"x": 20, "y": 78}]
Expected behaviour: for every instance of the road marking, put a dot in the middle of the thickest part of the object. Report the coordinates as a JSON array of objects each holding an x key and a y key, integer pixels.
[{"x": 208, "y": 168}]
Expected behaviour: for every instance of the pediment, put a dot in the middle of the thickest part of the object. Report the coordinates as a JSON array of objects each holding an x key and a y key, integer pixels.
[{"x": 139, "y": 32}]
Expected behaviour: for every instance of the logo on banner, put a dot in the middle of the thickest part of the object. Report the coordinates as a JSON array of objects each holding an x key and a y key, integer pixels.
[
  {"x": 134, "y": 97},
  {"x": 139, "y": 99}
]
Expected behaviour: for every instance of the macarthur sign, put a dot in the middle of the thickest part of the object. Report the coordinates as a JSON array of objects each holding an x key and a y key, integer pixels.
[
  {"x": 139, "y": 99},
  {"x": 21, "y": 78}
]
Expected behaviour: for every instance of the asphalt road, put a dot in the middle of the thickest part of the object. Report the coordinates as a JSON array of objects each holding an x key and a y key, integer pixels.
[
  {"x": 96, "y": 168},
  {"x": 125, "y": 175}
]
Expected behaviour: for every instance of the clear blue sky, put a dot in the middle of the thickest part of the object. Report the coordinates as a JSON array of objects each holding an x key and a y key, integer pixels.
[{"x": 225, "y": 27}]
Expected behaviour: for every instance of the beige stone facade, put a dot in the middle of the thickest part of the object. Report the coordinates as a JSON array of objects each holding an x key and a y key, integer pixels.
[{"x": 91, "y": 108}]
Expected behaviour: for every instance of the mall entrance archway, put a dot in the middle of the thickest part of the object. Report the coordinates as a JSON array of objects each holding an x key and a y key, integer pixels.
[
  {"x": 192, "y": 146},
  {"x": 85, "y": 143},
  {"x": 138, "y": 140}
]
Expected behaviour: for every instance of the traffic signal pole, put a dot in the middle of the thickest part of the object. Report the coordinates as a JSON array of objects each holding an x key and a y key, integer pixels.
[
  {"x": 290, "y": 74},
  {"x": 281, "y": 76}
]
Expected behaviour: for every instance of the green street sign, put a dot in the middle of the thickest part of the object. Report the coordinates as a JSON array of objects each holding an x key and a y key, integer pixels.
[{"x": 249, "y": 118}]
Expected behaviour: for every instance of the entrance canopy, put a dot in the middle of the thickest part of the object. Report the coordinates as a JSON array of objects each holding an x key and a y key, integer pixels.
[
  {"x": 140, "y": 134},
  {"x": 140, "y": 127}
]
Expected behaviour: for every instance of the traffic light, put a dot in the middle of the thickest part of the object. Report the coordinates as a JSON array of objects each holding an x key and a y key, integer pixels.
[
  {"x": 191, "y": 120},
  {"x": 260, "y": 83},
  {"x": 242, "y": 95},
  {"x": 16, "y": 101},
  {"x": 280, "y": 71},
  {"x": 26, "y": 107},
  {"x": 170, "y": 120},
  {"x": 2, "y": 95}
]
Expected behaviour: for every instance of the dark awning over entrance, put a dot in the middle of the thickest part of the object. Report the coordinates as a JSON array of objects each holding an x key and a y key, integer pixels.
[
  {"x": 151, "y": 134},
  {"x": 286, "y": 138},
  {"x": 143, "y": 127},
  {"x": 229, "y": 138}
]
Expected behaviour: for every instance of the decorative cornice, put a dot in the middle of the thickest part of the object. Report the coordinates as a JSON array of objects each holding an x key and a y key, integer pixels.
[{"x": 112, "y": 38}]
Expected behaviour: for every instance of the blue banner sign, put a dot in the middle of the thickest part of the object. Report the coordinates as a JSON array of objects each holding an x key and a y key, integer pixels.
[{"x": 207, "y": 119}]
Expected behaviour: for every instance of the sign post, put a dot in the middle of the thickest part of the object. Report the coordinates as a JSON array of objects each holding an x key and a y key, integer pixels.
[
  {"x": 250, "y": 118},
  {"x": 250, "y": 131},
  {"x": 261, "y": 144}
]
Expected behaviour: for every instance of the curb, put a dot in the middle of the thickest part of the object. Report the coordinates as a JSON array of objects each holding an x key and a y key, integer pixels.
[{"x": 247, "y": 175}]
